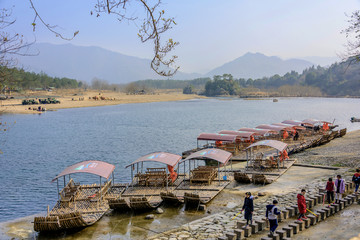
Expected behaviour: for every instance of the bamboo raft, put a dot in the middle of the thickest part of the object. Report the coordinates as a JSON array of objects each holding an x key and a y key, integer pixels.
[
  {"x": 194, "y": 194},
  {"x": 263, "y": 177},
  {"x": 85, "y": 205}
]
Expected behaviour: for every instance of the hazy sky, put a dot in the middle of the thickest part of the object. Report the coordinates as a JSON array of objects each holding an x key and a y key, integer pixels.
[{"x": 210, "y": 32}]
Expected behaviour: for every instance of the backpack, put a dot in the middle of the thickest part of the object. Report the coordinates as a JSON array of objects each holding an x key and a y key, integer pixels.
[
  {"x": 271, "y": 214},
  {"x": 356, "y": 179}
]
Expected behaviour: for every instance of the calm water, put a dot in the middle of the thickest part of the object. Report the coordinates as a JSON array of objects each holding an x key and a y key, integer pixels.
[{"x": 37, "y": 147}]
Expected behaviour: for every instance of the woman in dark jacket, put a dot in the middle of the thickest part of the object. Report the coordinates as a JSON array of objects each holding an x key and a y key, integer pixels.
[{"x": 248, "y": 207}]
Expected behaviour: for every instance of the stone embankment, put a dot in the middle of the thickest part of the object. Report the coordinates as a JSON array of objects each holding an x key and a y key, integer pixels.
[{"x": 224, "y": 226}]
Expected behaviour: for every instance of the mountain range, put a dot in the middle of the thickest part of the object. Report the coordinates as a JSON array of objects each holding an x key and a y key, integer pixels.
[{"x": 85, "y": 63}]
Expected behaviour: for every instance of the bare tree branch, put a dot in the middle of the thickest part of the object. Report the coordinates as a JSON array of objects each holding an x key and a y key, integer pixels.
[{"x": 352, "y": 32}]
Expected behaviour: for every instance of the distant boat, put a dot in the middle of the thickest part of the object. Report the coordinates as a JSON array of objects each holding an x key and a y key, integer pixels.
[
  {"x": 275, "y": 100},
  {"x": 354, "y": 119}
]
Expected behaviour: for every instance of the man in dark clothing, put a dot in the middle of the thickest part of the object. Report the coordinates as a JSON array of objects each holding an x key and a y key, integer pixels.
[
  {"x": 330, "y": 187},
  {"x": 271, "y": 214},
  {"x": 248, "y": 207}
]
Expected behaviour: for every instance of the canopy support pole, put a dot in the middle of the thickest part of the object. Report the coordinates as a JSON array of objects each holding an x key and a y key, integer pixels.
[
  {"x": 100, "y": 190},
  {"x": 219, "y": 172},
  {"x": 113, "y": 183},
  {"x": 64, "y": 180},
  {"x": 167, "y": 180},
  {"x": 132, "y": 176},
  {"x": 57, "y": 185},
  {"x": 247, "y": 159}
]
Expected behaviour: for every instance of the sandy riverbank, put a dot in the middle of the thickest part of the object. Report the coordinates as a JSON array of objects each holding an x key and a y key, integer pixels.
[{"x": 80, "y": 98}]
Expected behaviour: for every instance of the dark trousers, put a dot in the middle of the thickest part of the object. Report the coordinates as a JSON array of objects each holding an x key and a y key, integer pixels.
[
  {"x": 273, "y": 224},
  {"x": 330, "y": 196},
  {"x": 301, "y": 215},
  {"x": 356, "y": 186}
]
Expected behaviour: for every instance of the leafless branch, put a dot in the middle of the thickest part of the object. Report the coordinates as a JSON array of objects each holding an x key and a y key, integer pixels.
[{"x": 352, "y": 33}]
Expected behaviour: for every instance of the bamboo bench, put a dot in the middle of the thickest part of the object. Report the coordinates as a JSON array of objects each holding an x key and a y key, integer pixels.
[{"x": 203, "y": 174}]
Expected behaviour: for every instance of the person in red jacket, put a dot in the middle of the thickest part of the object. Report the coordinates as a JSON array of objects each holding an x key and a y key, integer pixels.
[
  {"x": 302, "y": 204},
  {"x": 330, "y": 187}
]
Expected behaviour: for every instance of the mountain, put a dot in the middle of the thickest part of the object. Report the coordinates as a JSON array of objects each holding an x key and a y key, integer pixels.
[
  {"x": 86, "y": 63},
  {"x": 322, "y": 61},
  {"x": 257, "y": 65}
]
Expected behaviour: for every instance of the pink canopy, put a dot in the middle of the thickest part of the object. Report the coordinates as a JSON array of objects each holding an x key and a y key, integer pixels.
[
  {"x": 313, "y": 121},
  {"x": 161, "y": 157},
  {"x": 210, "y": 153},
  {"x": 271, "y": 127},
  {"x": 217, "y": 137},
  {"x": 292, "y": 122},
  {"x": 270, "y": 143},
  {"x": 258, "y": 130},
  {"x": 96, "y": 167},
  {"x": 289, "y": 125},
  {"x": 241, "y": 134}
]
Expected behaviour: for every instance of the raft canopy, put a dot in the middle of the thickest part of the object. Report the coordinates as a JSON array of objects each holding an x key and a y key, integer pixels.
[
  {"x": 161, "y": 157},
  {"x": 289, "y": 125},
  {"x": 259, "y": 131},
  {"x": 270, "y": 143},
  {"x": 293, "y": 122},
  {"x": 210, "y": 153},
  {"x": 275, "y": 128},
  {"x": 314, "y": 122},
  {"x": 241, "y": 134},
  {"x": 102, "y": 169},
  {"x": 217, "y": 137}
]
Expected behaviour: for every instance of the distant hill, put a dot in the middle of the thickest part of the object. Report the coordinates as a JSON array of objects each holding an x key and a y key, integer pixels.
[
  {"x": 257, "y": 65},
  {"x": 85, "y": 63}
]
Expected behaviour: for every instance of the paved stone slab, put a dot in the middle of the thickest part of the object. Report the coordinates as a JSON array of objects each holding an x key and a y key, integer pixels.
[
  {"x": 222, "y": 238},
  {"x": 307, "y": 222},
  {"x": 322, "y": 214},
  {"x": 312, "y": 219},
  {"x": 296, "y": 209},
  {"x": 285, "y": 214},
  {"x": 240, "y": 224},
  {"x": 291, "y": 211},
  {"x": 247, "y": 231},
  {"x": 274, "y": 236}
]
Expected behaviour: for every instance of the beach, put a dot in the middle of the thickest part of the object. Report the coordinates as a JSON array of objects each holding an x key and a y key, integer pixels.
[{"x": 81, "y": 98}]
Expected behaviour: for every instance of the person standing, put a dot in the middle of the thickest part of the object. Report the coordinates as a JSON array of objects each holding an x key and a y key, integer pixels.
[
  {"x": 330, "y": 187},
  {"x": 301, "y": 205},
  {"x": 248, "y": 207},
  {"x": 356, "y": 179},
  {"x": 271, "y": 214},
  {"x": 340, "y": 188}
]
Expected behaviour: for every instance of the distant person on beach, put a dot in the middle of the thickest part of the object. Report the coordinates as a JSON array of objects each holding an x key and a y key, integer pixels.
[
  {"x": 301, "y": 205},
  {"x": 330, "y": 188},
  {"x": 340, "y": 188},
  {"x": 248, "y": 207},
  {"x": 356, "y": 179},
  {"x": 271, "y": 214},
  {"x": 296, "y": 136}
]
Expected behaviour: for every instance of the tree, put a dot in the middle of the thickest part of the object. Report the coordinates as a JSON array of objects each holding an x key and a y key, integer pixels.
[
  {"x": 151, "y": 27},
  {"x": 189, "y": 89},
  {"x": 352, "y": 33},
  {"x": 11, "y": 44}
]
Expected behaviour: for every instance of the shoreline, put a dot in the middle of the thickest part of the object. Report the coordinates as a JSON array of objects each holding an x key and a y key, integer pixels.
[{"x": 80, "y": 99}]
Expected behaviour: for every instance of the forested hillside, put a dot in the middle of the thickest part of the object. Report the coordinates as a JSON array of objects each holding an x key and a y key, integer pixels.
[{"x": 19, "y": 79}]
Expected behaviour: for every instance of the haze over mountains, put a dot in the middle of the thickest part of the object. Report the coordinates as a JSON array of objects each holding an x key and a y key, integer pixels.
[{"x": 86, "y": 63}]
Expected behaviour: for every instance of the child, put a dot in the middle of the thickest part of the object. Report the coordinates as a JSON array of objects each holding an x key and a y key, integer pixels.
[
  {"x": 248, "y": 207},
  {"x": 356, "y": 179},
  {"x": 330, "y": 187},
  {"x": 301, "y": 205},
  {"x": 271, "y": 214},
  {"x": 340, "y": 188}
]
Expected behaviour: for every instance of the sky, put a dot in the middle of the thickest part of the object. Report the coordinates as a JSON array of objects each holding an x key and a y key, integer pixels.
[{"x": 211, "y": 32}]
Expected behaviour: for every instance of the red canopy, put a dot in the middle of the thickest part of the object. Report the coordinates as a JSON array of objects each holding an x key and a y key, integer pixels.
[
  {"x": 161, "y": 157},
  {"x": 258, "y": 130},
  {"x": 217, "y": 137},
  {"x": 271, "y": 127},
  {"x": 270, "y": 143},
  {"x": 96, "y": 167},
  {"x": 241, "y": 134},
  {"x": 210, "y": 153}
]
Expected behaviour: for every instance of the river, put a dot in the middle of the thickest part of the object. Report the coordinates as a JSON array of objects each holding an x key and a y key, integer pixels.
[{"x": 37, "y": 147}]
